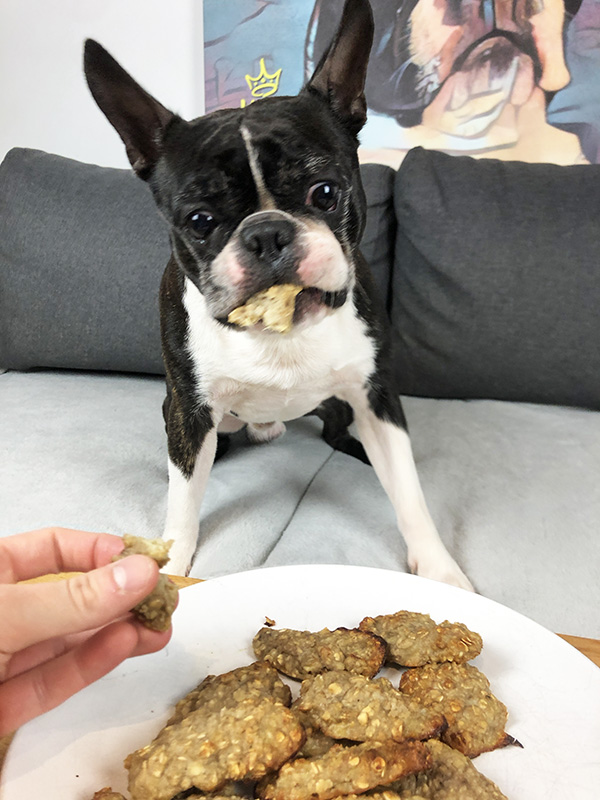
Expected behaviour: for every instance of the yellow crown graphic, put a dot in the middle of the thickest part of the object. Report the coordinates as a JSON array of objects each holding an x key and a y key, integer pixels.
[{"x": 264, "y": 84}]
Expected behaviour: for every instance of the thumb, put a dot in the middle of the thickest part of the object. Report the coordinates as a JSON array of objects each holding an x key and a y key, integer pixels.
[{"x": 37, "y": 612}]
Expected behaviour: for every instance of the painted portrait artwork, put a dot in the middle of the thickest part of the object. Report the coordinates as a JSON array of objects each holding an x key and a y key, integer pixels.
[{"x": 508, "y": 79}]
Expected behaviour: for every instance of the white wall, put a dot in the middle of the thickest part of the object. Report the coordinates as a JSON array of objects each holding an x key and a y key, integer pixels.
[{"x": 44, "y": 100}]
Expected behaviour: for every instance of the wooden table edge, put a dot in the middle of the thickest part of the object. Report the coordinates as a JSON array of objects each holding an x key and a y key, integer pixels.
[{"x": 589, "y": 647}]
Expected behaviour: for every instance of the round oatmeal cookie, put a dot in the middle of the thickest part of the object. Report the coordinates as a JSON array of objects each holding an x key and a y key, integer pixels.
[
  {"x": 235, "y": 790},
  {"x": 257, "y": 680},
  {"x": 107, "y": 794},
  {"x": 476, "y": 719},
  {"x": 455, "y": 642},
  {"x": 345, "y": 770},
  {"x": 211, "y": 796},
  {"x": 346, "y": 706},
  {"x": 452, "y": 776},
  {"x": 410, "y": 637},
  {"x": 381, "y": 793},
  {"x": 208, "y": 748},
  {"x": 299, "y": 654},
  {"x": 414, "y": 639},
  {"x": 316, "y": 743}
]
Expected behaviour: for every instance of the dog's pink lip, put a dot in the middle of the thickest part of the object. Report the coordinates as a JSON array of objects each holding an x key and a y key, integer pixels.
[
  {"x": 308, "y": 301},
  {"x": 313, "y": 301}
]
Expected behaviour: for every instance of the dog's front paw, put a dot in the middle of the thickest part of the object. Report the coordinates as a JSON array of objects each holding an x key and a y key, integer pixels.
[
  {"x": 180, "y": 559},
  {"x": 439, "y": 566}
]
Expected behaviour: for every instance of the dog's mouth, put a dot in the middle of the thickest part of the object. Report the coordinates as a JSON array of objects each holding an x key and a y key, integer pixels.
[
  {"x": 281, "y": 308},
  {"x": 314, "y": 301}
]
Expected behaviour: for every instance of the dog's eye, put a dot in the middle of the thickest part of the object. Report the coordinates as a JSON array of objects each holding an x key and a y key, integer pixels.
[
  {"x": 323, "y": 196},
  {"x": 201, "y": 224}
]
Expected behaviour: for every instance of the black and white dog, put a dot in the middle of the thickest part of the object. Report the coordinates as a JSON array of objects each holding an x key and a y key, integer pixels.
[{"x": 254, "y": 197}]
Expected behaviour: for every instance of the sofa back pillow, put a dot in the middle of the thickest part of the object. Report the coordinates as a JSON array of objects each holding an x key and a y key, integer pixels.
[
  {"x": 496, "y": 280},
  {"x": 379, "y": 238},
  {"x": 82, "y": 251}
]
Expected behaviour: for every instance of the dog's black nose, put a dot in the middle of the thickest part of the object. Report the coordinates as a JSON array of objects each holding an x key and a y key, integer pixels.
[{"x": 267, "y": 236}]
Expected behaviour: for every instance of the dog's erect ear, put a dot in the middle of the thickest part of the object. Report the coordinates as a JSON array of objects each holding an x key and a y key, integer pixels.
[
  {"x": 138, "y": 118},
  {"x": 340, "y": 75}
]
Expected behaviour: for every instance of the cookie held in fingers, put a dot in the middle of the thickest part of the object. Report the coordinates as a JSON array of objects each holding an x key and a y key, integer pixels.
[
  {"x": 346, "y": 706},
  {"x": 155, "y": 610},
  {"x": 476, "y": 718},
  {"x": 299, "y": 654},
  {"x": 415, "y": 639}
]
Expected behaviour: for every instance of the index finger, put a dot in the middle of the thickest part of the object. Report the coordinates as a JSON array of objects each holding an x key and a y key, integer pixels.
[{"x": 51, "y": 550}]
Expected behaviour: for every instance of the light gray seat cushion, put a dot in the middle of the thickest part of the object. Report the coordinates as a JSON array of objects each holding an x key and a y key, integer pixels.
[{"x": 514, "y": 488}]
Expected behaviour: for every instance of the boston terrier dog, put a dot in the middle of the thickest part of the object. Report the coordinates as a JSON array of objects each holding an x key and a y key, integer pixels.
[{"x": 255, "y": 198}]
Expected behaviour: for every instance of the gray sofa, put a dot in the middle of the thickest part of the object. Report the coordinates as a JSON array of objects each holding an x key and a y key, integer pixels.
[{"x": 491, "y": 277}]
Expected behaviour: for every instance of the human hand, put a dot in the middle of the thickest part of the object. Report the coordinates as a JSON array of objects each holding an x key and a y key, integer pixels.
[{"x": 60, "y": 636}]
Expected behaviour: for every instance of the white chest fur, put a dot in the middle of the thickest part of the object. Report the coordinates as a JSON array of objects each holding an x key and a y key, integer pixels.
[{"x": 264, "y": 376}]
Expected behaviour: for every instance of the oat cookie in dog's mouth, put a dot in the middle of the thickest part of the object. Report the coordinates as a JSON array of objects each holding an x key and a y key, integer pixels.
[{"x": 274, "y": 307}]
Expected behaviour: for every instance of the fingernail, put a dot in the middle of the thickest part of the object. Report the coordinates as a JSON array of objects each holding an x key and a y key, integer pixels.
[{"x": 132, "y": 573}]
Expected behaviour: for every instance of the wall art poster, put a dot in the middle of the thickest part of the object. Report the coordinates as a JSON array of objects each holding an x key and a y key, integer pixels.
[{"x": 509, "y": 79}]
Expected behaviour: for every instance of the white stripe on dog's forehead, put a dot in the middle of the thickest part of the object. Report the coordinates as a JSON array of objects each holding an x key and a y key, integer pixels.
[{"x": 266, "y": 201}]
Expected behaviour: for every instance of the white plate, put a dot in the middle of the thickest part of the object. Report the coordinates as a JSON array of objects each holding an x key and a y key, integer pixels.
[{"x": 551, "y": 690}]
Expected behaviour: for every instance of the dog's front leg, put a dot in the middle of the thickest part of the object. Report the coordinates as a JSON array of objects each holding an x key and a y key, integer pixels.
[
  {"x": 383, "y": 433},
  {"x": 192, "y": 441}
]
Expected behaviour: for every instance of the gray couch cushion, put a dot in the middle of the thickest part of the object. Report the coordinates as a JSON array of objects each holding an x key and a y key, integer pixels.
[
  {"x": 496, "y": 285},
  {"x": 82, "y": 251}
]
